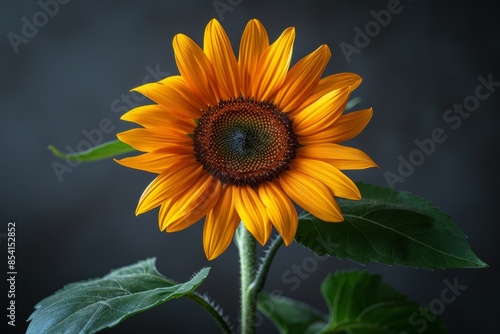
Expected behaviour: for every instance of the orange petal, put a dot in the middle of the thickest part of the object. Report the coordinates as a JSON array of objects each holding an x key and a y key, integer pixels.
[
  {"x": 344, "y": 128},
  {"x": 190, "y": 206},
  {"x": 312, "y": 195},
  {"x": 152, "y": 116},
  {"x": 219, "y": 51},
  {"x": 195, "y": 68},
  {"x": 220, "y": 224},
  {"x": 180, "y": 86},
  {"x": 322, "y": 113},
  {"x": 273, "y": 66},
  {"x": 302, "y": 79},
  {"x": 166, "y": 93},
  {"x": 254, "y": 42},
  {"x": 151, "y": 139},
  {"x": 338, "y": 182},
  {"x": 253, "y": 213},
  {"x": 280, "y": 210},
  {"x": 177, "y": 178},
  {"x": 164, "y": 208},
  {"x": 331, "y": 83},
  {"x": 342, "y": 157},
  {"x": 159, "y": 160}
]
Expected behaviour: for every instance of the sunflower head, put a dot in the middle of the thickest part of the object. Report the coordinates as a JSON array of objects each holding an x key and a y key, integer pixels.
[
  {"x": 244, "y": 142},
  {"x": 245, "y": 139}
]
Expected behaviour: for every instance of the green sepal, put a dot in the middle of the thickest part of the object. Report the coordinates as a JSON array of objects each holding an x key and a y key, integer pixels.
[{"x": 352, "y": 103}]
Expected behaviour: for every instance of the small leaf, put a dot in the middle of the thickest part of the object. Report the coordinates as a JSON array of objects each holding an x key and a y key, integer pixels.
[
  {"x": 92, "y": 305},
  {"x": 390, "y": 227},
  {"x": 360, "y": 303},
  {"x": 106, "y": 150},
  {"x": 290, "y": 316},
  {"x": 352, "y": 103}
]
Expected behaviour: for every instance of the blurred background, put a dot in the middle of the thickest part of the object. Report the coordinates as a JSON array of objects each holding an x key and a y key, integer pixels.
[{"x": 66, "y": 73}]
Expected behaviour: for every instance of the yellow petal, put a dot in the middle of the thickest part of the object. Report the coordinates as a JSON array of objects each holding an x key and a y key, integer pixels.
[
  {"x": 152, "y": 116},
  {"x": 178, "y": 178},
  {"x": 331, "y": 83},
  {"x": 342, "y": 157},
  {"x": 219, "y": 51},
  {"x": 146, "y": 140},
  {"x": 312, "y": 195},
  {"x": 252, "y": 213},
  {"x": 180, "y": 86},
  {"x": 195, "y": 68},
  {"x": 322, "y": 113},
  {"x": 344, "y": 128},
  {"x": 164, "y": 208},
  {"x": 336, "y": 81},
  {"x": 280, "y": 210},
  {"x": 273, "y": 66},
  {"x": 254, "y": 42},
  {"x": 338, "y": 182},
  {"x": 191, "y": 205},
  {"x": 302, "y": 79},
  {"x": 220, "y": 224},
  {"x": 166, "y": 93},
  {"x": 159, "y": 160}
]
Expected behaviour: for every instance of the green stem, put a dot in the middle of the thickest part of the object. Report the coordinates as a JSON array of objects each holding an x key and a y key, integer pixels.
[
  {"x": 219, "y": 319},
  {"x": 260, "y": 278},
  {"x": 246, "y": 245}
]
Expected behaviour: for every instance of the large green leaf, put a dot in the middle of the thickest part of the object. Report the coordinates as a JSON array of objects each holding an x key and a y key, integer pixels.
[
  {"x": 105, "y": 150},
  {"x": 290, "y": 316},
  {"x": 390, "y": 227},
  {"x": 92, "y": 305},
  {"x": 360, "y": 303}
]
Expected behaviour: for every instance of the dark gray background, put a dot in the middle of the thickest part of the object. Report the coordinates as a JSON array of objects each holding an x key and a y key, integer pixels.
[{"x": 65, "y": 79}]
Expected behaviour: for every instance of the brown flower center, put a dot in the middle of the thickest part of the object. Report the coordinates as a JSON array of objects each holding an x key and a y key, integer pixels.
[{"x": 244, "y": 142}]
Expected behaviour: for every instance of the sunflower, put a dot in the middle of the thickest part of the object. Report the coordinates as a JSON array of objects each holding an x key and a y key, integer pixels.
[{"x": 245, "y": 139}]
